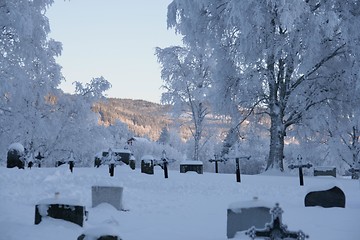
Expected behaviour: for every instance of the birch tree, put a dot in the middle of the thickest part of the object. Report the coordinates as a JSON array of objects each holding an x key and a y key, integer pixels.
[
  {"x": 287, "y": 57},
  {"x": 186, "y": 82}
]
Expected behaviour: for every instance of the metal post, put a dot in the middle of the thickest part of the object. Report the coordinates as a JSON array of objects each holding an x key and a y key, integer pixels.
[
  {"x": 165, "y": 170},
  {"x": 237, "y": 170},
  {"x": 216, "y": 166},
  {"x": 111, "y": 169}
]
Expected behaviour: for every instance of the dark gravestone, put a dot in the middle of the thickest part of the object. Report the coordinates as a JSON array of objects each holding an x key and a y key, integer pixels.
[
  {"x": 57, "y": 209},
  {"x": 325, "y": 171},
  {"x": 147, "y": 166},
  {"x": 191, "y": 166},
  {"x": 97, "y": 162},
  {"x": 333, "y": 197},
  {"x": 106, "y": 237},
  {"x": 59, "y": 163},
  {"x": 100, "y": 233},
  {"x": 275, "y": 230},
  {"x": 15, "y": 156},
  {"x": 242, "y": 216}
]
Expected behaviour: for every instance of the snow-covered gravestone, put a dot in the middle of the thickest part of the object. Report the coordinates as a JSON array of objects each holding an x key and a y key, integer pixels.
[
  {"x": 191, "y": 166},
  {"x": 275, "y": 230},
  {"x": 325, "y": 171},
  {"x": 107, "y": 194},
  {"x": 327, "y": 197},
  {"x": 65, "y": 209},
  {"x": 147, "y": 164},
  {"x": 15, "y": 156},
  {"x": 100, "y": 233},
  {"x": 243, "y": 215}
]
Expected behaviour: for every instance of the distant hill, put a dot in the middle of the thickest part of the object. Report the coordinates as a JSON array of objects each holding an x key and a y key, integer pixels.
[{"x": 142, "y": 117}]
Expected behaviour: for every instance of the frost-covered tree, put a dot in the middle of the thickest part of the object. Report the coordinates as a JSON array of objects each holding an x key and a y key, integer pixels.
[
  {"x": 287, "y": 57},
  {"x": 164, "y": 136},
  {"x": 187, "y": 81},
  {"x": 29, "y": 75}
]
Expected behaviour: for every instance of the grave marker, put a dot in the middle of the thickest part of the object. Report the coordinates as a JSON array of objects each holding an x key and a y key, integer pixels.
[
  {"x": 191, "y": 166},
  {"x": 15, "y": 156},
  {"x": 354, "y": 173},
  {"x": 300, "y": 166},
  {"x": 216, "y": 160},
  {"x": 38, "y": 159},
  {"x": 65, "y": 209},
  {"x": 325, "y": 171},
  {"x": 147, "y": 164},
  {"x": 333, "y": 197},
  {"x": 107, "y": 194},
  {"x": 243, "y": 215},
  {"x": 102, "y": 232},
  {"x": 275, "y": 230}
]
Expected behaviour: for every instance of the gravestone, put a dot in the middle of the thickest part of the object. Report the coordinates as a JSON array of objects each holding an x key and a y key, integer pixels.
[
  {"x": 275, "y": 230},
  {"x": 325, "y": 171},
  {"x": 216, "y": 160},
  {"x": 147, "y": 164},
  {"x": 333, "y": 197},
  {"x": 100, "y": 233},
  {"x": 65, "y": 209},
  {"x": 355, "y": 172},
  {"x": 243, "y": 215},
  {"x": 107, "y": 194},
  {"x": 103, "y": 237},
  {"x": 15, "y": 156},
  {"x": 191, "y": 166}
]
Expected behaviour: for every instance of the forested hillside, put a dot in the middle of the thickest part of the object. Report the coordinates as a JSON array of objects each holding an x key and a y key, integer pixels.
[{"x": 142, "y": 117}]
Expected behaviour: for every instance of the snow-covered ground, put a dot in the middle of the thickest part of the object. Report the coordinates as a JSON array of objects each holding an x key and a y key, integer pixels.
[{"x": 184, "y": 206}]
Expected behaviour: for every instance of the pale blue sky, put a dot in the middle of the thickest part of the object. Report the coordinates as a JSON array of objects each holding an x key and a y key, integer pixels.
[{"x": 115, "y": 39}]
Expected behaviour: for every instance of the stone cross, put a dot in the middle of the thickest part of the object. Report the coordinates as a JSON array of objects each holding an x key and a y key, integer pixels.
[
  {"x": 276, "y": 229},
  {"x": 354, "y": 172},
  {"x": 39, "y": 158},
  {"x": 216, "y": 160},
  {"x": 300, "y": 166}
]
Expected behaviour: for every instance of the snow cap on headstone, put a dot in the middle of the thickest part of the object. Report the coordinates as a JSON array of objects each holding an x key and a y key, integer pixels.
[{"x": 16, "y": 146}]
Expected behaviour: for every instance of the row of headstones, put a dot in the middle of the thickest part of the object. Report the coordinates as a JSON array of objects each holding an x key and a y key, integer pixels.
[
  {"x": 188, "y": 166},
  {"x": 257, "y": 219},
  {"x": 239, "y": 218},
  {"x": 67, "y": 210}
]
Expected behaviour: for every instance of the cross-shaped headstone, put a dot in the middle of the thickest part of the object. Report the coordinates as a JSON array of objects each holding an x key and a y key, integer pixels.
[
  {"x": 39, "y": 157},
  {"x": 354, "y": 172},
  {"x": 216, "y": 160},
  {"x": 275, "y": 230},
  {"x": 300, "y": 166}
]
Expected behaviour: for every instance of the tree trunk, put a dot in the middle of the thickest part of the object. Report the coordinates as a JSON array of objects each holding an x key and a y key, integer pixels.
[{"x": 277, "y": 135}]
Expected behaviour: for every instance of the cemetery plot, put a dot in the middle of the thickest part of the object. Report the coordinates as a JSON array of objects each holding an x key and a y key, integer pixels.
[{"x": 186, "y": 206}]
